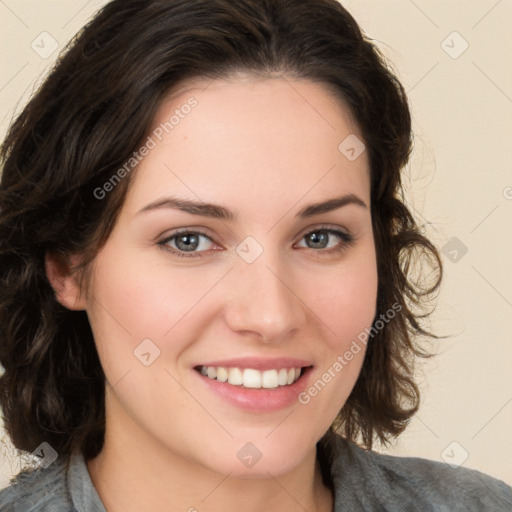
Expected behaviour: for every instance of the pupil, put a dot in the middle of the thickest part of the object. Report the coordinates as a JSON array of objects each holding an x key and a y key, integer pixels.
[
  {"x": 317, "y": 238},
  {"x": 188, "y": 245}
]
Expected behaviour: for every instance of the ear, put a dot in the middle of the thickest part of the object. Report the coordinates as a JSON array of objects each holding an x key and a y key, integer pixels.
[{"x": 64, "y": 281}]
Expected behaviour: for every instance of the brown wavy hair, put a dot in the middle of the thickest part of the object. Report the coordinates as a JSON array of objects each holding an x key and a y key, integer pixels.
[{"x": 84, "y": 123}]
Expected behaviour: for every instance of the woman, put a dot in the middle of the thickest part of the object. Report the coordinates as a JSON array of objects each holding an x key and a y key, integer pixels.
[{"x": 207, "y": 297}]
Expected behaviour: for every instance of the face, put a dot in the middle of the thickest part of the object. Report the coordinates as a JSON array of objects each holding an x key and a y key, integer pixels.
[{"x": 259, "y": 285}]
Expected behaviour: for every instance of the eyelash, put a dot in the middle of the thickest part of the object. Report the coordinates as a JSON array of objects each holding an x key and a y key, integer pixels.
[{"x": 347, "y": 239}]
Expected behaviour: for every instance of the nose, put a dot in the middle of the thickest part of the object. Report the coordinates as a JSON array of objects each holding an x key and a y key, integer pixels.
[{"x": 264, "y": 300}]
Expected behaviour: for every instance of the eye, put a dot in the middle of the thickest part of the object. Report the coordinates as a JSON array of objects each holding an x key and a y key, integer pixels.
[
  {"x": 190, "y": 244},
  {"x": 185, "y": 243},
  {"x": 321, "y": 237}
]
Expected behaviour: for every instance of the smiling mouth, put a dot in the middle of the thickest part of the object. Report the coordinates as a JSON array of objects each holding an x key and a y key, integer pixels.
[{"x": 252, "y": 378}]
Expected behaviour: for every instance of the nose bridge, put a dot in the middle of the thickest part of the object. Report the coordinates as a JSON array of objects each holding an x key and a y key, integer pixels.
[{"x": 262, "y": 296}]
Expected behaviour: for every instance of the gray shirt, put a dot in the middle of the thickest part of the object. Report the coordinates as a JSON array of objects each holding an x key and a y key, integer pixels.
[{"x": 363, "y": 481}]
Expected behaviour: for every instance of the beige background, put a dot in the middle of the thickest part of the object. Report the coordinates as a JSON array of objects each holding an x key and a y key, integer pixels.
[{"x": 461, "y": 183}]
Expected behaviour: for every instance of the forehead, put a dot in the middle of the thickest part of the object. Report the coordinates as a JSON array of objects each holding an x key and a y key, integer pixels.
[{"x": 272, "y": 141}]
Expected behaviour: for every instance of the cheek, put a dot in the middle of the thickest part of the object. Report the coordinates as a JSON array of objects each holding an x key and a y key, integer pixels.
[
  {"x": 347, "y": 312},
  {"x": 345, "y": 299},
  {"x": 134, "y": 299},
  {"x": 130, "y": 301},
  {"x": 143, "y": 298}
]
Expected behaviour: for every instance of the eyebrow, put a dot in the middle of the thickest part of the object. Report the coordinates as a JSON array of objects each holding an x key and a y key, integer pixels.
[{"x": 220, "y": 212}]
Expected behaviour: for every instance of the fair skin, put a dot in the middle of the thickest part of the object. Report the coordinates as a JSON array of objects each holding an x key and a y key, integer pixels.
[{"x": 265, "y": 149}]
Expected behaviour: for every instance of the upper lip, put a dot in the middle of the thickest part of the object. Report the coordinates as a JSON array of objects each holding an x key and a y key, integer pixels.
[{"x": 259, "y": 364}]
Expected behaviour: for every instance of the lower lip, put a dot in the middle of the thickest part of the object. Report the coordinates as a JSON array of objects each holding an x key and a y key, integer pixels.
[{"x": 258, "y": 400}]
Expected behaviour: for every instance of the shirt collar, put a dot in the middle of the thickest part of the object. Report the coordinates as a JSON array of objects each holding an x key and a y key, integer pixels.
[{"x": 81, "y": 489}]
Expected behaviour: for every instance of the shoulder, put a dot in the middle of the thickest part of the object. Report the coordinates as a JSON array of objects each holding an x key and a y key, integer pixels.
[
  {"x": 37, "y": 490},
  {"x": 447, "y": 487},
  {"x": 413, "y": 483}
]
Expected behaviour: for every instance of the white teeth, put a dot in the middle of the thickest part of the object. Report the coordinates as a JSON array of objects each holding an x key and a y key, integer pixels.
[
  {"x": 269, "y": 379},
  {"x": 250, "y": 378},
  {"x": 282, "y": 378},
  {"x": 222, "y": 374},
  {"x": 235, "y": 376}
]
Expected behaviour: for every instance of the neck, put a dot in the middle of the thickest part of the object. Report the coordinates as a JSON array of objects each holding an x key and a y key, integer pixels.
[{"x": 144, "y": 475}]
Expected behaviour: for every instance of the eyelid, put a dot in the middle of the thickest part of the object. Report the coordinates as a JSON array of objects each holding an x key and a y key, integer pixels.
[
  {"x": 186, "y": 230},
  {"x": 321, "y": 227},
  {"x": 206, "y": 232}
]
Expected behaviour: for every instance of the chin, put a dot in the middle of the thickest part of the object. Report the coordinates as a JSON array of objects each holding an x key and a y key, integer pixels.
[{"x": 258, "y": 459}]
